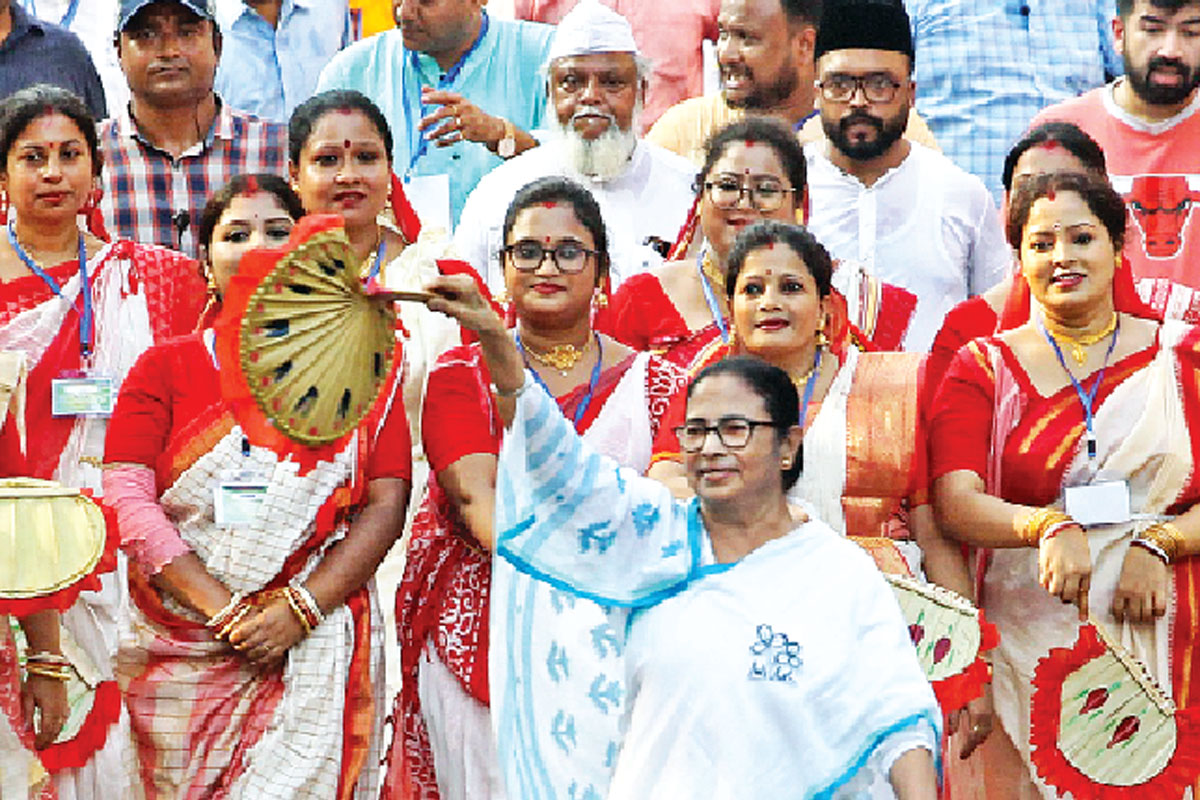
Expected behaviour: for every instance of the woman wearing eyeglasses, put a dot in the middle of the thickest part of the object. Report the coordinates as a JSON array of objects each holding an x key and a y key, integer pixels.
[
  {"x": 753, "y": 170},
  {"x": 555, "y": 257},
  {"x": 749, "y": 653}
]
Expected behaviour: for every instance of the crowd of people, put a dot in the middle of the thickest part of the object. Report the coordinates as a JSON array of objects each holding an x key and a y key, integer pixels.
[{"x": 677, "y": 382}]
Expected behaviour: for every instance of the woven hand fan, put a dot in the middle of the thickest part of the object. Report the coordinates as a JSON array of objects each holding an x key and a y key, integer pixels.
[
  {"x": 950, "y": 636},
  {"x": 53, "y": 541},
  {"x": 1102, "y": 728},
  {"x": 300, "y": 338}
]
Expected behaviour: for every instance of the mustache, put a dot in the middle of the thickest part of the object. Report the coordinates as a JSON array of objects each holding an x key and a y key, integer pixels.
[
  {"x": 1159, "y": 62},
  {"x": 857, "y": 117},
  {"x": 594, "y": 112}
]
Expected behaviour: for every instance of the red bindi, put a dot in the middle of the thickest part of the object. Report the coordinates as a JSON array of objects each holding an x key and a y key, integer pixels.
[
  {"x": 347, "y": 110},
  {"x": 749, "y": 143},
  {"x": 770, "y": 246},
  {"x": 1050, "y": 144},
  {"x": 1050, "y": 195},
  {"x": 346, "y": 143},
  {"x": 549, "y": 204}
]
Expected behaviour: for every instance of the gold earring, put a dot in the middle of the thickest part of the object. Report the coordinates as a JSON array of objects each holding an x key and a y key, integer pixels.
[
  {"x": 502, "y": 296},
  {"x": 786, "y": 464},
  {"x": 822, "y": 339},
  {"x": 600, "y": 299}
]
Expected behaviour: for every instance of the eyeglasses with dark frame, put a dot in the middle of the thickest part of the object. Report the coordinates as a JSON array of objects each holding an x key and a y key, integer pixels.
[
  {"x": 527, "y": 255},
  {"x": 878, "y": 87},
  {"x": 733, "y": 432},
  {"x": 765, "y": 195}
]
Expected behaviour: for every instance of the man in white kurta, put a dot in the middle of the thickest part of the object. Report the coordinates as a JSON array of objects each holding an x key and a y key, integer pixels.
[
  {"x": 884, "y": 206},
  {"x": 596, "y": 85}
]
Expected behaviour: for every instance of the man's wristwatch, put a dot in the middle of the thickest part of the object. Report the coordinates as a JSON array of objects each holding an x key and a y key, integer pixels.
[{"x": 507, "y": 147}]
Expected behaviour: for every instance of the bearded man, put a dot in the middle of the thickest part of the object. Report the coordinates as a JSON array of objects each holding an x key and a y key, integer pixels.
[
  {"x": 890, "y": 209},
  {"x": 596, "y": 83},
  {"x": 1148, "y": 125}
]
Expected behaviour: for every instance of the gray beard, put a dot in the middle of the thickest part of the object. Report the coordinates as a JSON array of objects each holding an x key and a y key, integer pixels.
[{"x": 604, "y": 158}]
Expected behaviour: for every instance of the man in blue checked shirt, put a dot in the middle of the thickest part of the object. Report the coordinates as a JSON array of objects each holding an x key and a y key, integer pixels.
[{"x": 985, "y": 67}]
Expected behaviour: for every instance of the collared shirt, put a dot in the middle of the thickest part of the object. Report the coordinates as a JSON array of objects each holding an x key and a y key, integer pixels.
[
  {"x": 925, "y": 226},
  {"x": 985, "y": 67},
  {"x": 677, "y": 60},
  {"x": 152, "y": 198},
  {"x": 40, "y": 52},
  {"x": 502, "y": 76},
  {"x": 651, "y": 198},
  {"x": 284, "y": 61},
  {"x": 92, "y": 22}
]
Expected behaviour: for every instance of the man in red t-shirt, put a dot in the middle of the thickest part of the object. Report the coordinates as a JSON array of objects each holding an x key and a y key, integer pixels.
[{"x": 1148, "y": 123}]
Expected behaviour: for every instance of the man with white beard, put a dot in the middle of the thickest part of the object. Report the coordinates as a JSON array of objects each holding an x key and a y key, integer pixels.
[{"x": 596, "y": 82}]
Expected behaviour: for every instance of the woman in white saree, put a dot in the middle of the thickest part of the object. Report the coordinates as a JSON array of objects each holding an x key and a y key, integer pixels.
[{"x": 735, "y": 686}]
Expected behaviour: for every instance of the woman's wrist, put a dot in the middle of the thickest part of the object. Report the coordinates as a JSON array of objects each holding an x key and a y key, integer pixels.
[
  {"x": 1041, "y": 525},
  {"x": 1163, "y": 539}
]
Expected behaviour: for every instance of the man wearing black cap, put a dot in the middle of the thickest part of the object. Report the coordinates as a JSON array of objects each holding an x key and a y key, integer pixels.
[
  {"x": 177, "y": 142},
  {"x": 886, "y": 207}
]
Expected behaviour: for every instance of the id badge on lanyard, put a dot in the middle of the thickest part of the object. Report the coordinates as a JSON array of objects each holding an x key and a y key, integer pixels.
[
  {"x": 1105, "y": 503},
  {"x": 239, "y": 493},
  {"x": 82, "y": 394}
]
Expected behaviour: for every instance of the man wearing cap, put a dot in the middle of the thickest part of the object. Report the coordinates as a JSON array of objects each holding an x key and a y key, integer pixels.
[
  {"x": 1148, "y": 124},
  {"x": 460, "y": 90},
  {"x": 178, "y": 141},
  {"x": 34, "y": 51},
  {"x": 596, "y": 83},
  {"x": 890, "y": 209},
  {"x": 765, "y": 56}
]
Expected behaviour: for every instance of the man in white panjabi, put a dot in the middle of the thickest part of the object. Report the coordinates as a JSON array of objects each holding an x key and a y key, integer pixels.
[{"x": 596, "y": 82}]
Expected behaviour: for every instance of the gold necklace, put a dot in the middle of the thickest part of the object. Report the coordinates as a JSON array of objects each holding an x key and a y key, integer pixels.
[
  {"x": 562, "y": 357},
  {"x": 716, "y": 279},
  {"x": 1077, "y": 343}
]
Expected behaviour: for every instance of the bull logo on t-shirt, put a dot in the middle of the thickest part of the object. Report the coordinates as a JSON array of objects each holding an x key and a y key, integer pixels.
[{"x": 1161, "y": 207}]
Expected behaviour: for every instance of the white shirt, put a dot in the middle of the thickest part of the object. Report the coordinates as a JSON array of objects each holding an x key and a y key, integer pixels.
[
  {"x": 651, "y": 198},
  {"x": 926, "y": 226}
]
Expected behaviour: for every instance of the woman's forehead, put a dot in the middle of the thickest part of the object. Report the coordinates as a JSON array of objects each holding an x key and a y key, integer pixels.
[{"x": 724, "y": 395}]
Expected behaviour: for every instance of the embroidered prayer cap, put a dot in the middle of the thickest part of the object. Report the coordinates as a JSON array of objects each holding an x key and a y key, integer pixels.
[
  {"x": 592, "y": 27},
  {"x": 126, "y": 9},
  {"x": 864, "y": 25}
]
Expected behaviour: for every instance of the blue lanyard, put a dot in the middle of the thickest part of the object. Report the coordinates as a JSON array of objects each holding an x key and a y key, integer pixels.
[
  {"x": 418, "y": 144},
  {"x": 85, "y": 326},
  {"x": 595, "y": 379},
  {"x": 809, "y": 385},
  {"x": 711, "y": 299},
  {"x": 67, "y": 19},
  {"x": 796, "y": 128},
  {"x": 379, "y": 251},
  {"x": 1087, "y": 399}
]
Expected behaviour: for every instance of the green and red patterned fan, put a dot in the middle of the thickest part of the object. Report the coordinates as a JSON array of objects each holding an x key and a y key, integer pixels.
[
  {"x": 950, "y": 636},
  {"x": 305, "y": 354},
  {"x": 1103, "y": 728}
]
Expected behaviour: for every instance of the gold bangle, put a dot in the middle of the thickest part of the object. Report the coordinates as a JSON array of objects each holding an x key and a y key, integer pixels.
[
  {"x": 47, "y": 671},
  {"x": 1039, "y": 522},
  {"x": 1166, "y": 536},
  {"x": 289, "y": 594}
]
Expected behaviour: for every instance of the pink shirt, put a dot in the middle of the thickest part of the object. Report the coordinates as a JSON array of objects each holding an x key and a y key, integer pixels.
[
  {"x": 1156, "y": 167},
  {"x": 678, "y": 63}
]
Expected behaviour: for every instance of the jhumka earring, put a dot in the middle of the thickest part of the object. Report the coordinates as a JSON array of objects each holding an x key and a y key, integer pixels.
[{"x": 599, "y": 299}]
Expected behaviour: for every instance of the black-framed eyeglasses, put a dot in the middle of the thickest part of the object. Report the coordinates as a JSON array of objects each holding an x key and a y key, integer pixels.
[
  {"x": 734, "y": 432},
  {"x": 878, "y": 87},
  {"x": 528, "y": 255},
  {"x": 765, "y": 195}
]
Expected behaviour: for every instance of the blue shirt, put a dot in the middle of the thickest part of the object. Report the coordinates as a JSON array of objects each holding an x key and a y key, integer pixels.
[
  {"x": 985, "y": 67},
  {"x": 502, "y": 76},
  {"x": 39, "y": 52},
  {"x": 269, "y": 71}
]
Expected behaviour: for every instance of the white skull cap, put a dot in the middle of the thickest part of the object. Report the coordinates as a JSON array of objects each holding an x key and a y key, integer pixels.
[{"x": 592, "y": 27}]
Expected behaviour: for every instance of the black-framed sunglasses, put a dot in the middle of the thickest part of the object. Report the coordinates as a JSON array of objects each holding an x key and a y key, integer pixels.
[
  {"x": 734, "y": 432},
  {"x": 878, "y": 87},
  {"x": 765, "y": 195},
  {"x": 527, "y": 255}
]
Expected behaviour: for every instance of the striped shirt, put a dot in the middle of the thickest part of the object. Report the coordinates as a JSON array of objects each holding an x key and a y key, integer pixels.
[{"x": 151, "y": 197}]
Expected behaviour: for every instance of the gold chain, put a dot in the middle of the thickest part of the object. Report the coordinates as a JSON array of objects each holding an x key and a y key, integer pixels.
[
  {"x": 716, "y": 279},
  {"x": 562, "y": 357},
  {"x": 1077, "y": 343}
]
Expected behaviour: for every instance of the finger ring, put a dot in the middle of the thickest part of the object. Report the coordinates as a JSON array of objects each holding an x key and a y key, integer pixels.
[{"x": 458, "y": 120}]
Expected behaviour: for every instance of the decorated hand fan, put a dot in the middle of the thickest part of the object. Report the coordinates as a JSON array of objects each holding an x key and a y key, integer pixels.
[
  {"x": 950, "y": 635},
  {"x": 308, "y": 353},
  {"x": 53, "y": 540},
  {"x": 1103, "y": 728}
]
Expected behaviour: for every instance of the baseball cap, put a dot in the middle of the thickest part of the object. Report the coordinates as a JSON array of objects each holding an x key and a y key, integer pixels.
[{"x": 126, "y": 9}]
